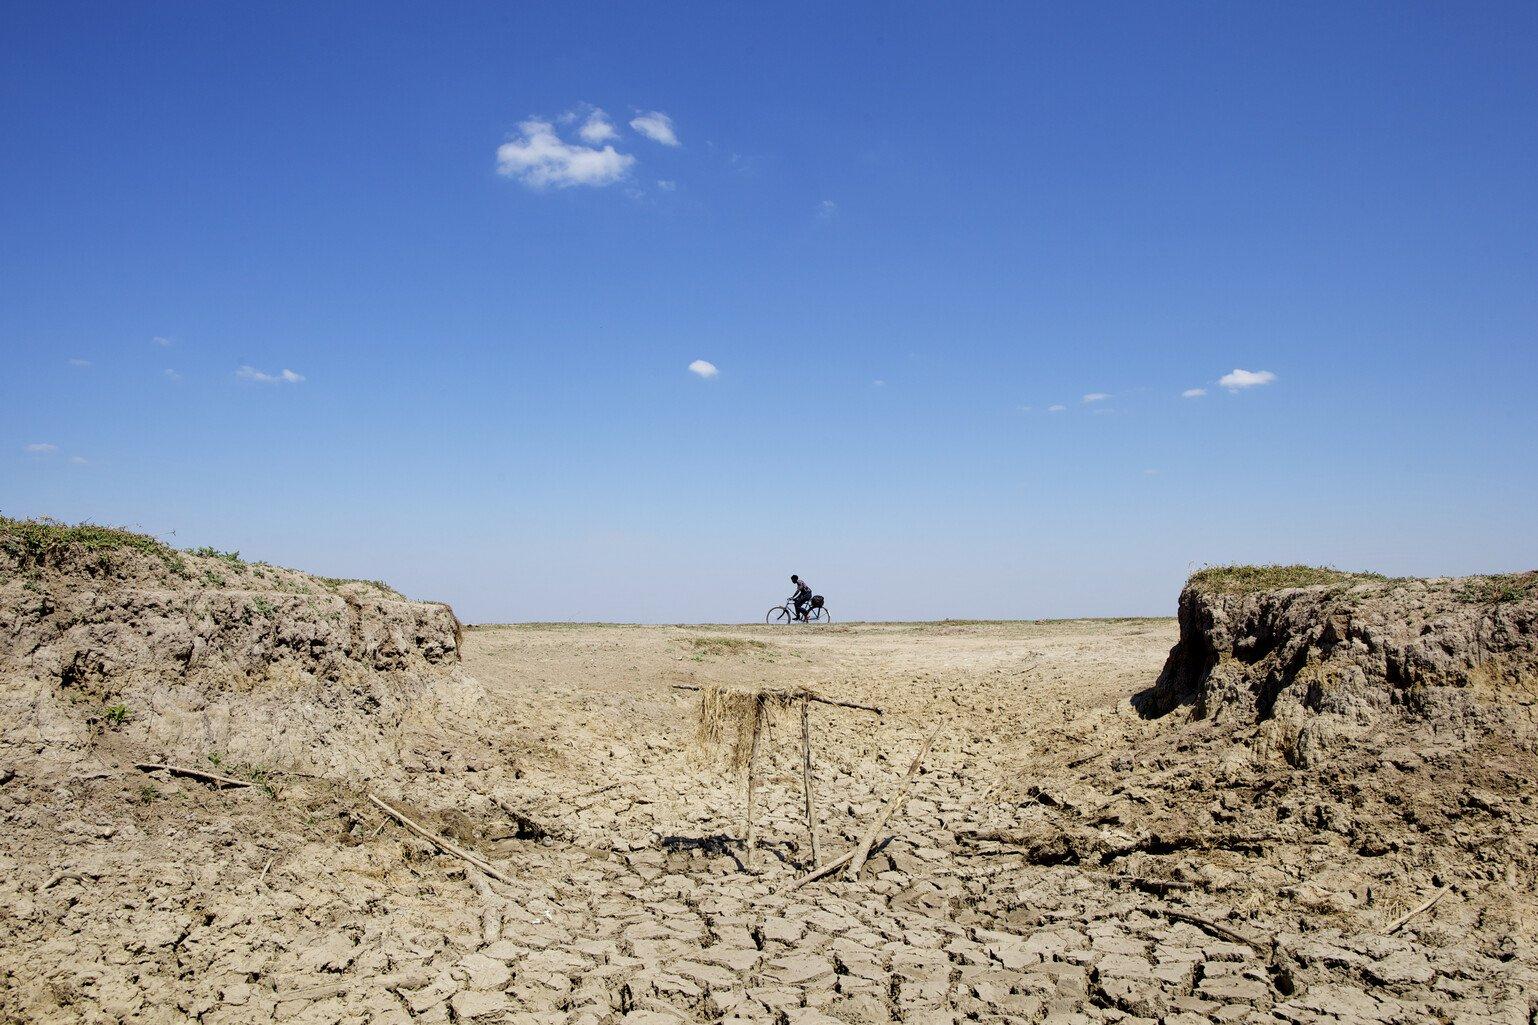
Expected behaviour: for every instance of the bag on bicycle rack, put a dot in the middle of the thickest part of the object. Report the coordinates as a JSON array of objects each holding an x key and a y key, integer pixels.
[{"x": 816, "y": 601}]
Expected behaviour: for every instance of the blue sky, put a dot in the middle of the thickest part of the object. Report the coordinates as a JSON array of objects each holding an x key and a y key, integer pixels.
[{"x": 901, "y": 234}]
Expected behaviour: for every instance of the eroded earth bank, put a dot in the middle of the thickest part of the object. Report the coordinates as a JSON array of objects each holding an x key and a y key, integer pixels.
[{"x": 1103, "y": 830}]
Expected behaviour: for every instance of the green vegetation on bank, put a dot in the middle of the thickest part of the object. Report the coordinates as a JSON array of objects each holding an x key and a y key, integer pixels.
[
  {"x": 1500, "y": 588},
  {"x": 32, "y": 541},
  {"x": 1249, "y": 579},
  {"x": 36, "y": 543}
]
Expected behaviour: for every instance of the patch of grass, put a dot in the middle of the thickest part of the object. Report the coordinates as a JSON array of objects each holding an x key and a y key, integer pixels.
[
  {"x": 117, "y": 715},
  {"x": 213, "y": 579},
  {"x": 148, "y": 792},
  {"x": 716, "y": 647},
  {"x": 34, "y": 542},
  {"x": 233, "y": 558},
  {"x": 215, "y": 758},
  {"x": 1249, "y": 579},
  {"x": 378, "y": 585},
  {"x": 1500, "y": 589},
  {"x": 261, "y": 606}
]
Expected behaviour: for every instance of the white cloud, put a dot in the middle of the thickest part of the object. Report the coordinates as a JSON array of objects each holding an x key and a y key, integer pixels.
[
  {"x": 878, "y": 383},
  {"x": 1150, "y": 473},
  {"x": 665, "y": 185},
  {"x": 1094, "y": 396},
  {"x": 250, "y": 373},
  {"x": 1193, "y": 393},
  {"x": 597, "y": 128},
  {"x": 1056, "y": 408},
  {"x": 79, "y": 460},
  {"x": 172, "y": 375},
  {"x": 76, "y": 361},
  {"x": 827, "y": 209},
  {"x": 703, "y": 368},
  {"x": 164, "y": 343},
  {"x": 656, "y": 126},
  {"x": 42, "y": 448},
  {"x": 539, "y": 158},
  {"x": 1246, "y": 379}
]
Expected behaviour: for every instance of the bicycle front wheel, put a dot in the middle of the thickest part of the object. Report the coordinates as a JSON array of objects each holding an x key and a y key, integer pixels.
[{"x": 778, "y": 614}]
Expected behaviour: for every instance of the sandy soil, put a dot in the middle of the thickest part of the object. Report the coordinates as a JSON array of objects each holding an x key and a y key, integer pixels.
[{"x": 1061, "y": 858}]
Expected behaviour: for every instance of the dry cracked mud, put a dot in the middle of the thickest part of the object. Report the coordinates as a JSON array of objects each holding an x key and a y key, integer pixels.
[{"x": 1063, "y": 857}]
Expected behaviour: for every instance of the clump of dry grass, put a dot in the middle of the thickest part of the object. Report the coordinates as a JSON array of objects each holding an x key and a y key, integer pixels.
[{"x": 733, "y": 716}]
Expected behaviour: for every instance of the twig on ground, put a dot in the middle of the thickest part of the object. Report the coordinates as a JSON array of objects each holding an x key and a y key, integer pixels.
[
  {"x": 868, "y": 840},
  {"x": 1423, "y": 906},
  {"x": 826, "y": 870},
  {"x": 57, "y": 878},
  {"x": 442, "y": 844},
  {"x": 1207, "y": 924},
  {"x": 182, "y": 770}
]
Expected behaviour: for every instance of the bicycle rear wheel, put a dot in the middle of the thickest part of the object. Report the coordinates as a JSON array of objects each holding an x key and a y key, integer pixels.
[
  {"x": 778, "y": 614},
  {"x": 820, "y": 615}
]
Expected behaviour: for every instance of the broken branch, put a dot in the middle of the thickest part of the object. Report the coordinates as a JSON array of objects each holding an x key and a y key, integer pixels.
[
  {"x": 182, "y": 770},
  {"x": 439, "y": 842}
]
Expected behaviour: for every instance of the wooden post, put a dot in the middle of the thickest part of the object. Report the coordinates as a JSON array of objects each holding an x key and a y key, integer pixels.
[
  {"x": 758, "y": 725},
  {"x": 806, "y": 780}
]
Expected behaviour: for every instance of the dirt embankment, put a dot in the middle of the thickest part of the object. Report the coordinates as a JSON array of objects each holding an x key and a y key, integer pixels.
[
  {"x": 195, "y": 652},
  {"x": 1354, "y": 659}
]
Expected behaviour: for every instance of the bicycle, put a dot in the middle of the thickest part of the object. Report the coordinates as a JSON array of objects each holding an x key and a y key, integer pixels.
[{"x": 786, "y": 613}]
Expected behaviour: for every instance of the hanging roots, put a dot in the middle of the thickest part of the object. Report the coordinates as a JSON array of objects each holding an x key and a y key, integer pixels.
[{"x": 732, "y": 715}]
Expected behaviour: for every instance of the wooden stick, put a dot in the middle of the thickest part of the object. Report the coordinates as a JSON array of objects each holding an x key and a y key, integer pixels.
[
  {"x": 1210, "y": 926},
  {"x": 179, "y": 770},
  {"x": 806, "y": 779},
  {"x": 1424, "y": 905},
  {"x": 826, "y": 870},
  {"x": 810, "y": 697},
  {"x": 862, "y": 851},
  {"x": 440, "y": 843},
  {"x": 758, "y": 722}
]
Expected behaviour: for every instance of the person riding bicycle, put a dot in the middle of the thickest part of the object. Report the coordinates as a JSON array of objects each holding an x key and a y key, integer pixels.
[{"x": 802, "y": 597}]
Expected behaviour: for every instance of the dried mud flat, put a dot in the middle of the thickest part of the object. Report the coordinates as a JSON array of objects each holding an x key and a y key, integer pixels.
[{"x": 1063, "y": 857}]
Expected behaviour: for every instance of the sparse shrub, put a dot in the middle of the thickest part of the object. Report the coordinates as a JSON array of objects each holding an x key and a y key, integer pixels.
[
  {"x": 233, "y": 558},
  {"x": 261, "y": 606},
  {"x": 148, "y": 792},
  {"x": 1501, "y": 589},
  {"x": 39, "y": 541}
]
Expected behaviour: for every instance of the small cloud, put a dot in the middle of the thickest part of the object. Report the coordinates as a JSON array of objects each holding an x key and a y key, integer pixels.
[
  {"x": 656, "y": 126},
  {"x": 76, "y": 361},
  {"x": 1150, "y": 473},
  {"x": 163, "y": 342},
  {"x": 79, "y": 460},
  {"x": 597, "y": 128},
  {"x": 538, "y": 158},
  {"x": 250, "y": 373},
  {"x": 1193, "y": 393},
  {"x": 1025, "y": 409},
  {"x": 827, "y": 210},
  {"x": 1094, "y": 396},
  {"x": 703, "y": 368},
  {"x": 667, "y": 186},
  {"x": 1058, "y": 408},
  {"x": 1246, "y": 379},
  {"x": 42, "y": 448},
  {"x": 172, "y": 375},
  {"x": 878, "y": 383}
]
